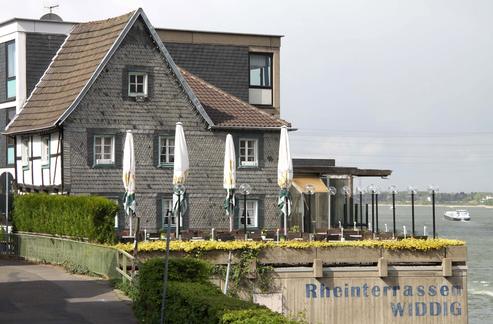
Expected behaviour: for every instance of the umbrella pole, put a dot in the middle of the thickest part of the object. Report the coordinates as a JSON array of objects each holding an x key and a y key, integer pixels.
[
  {"x": 231, "y": 212},
  {"x": 245, "y": 214},
  {"x": 179, "y": 217},
  {"x": 136, "y": 242},
  {"x": 286, "y": 217},
  {"x": 165, "y": 275}
]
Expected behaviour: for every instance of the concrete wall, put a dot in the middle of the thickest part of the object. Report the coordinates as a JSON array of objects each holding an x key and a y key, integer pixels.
[
  {"x": 409, "y": 294},
  {"x": 362, "y": 285},
  {"x": 105, "y": 109}
]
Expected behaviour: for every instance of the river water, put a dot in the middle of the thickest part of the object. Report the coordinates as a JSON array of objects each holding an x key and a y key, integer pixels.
[{"x": 478, "y": 234}]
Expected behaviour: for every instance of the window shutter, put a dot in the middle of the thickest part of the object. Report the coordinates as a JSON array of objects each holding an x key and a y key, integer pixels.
[
  {"x": 261, "y": 213},
  {"x": 159, "y": 212},
  {"x": 150, "y": 83},
  {"x": 119, "y": 149},
  {"x": 236, "y": 141},
  {"x": 155, "y": 144},
  {"x": 125, "y": 83},
  {"x": 90, "y": 148},
  {"x": 261, "y": 163},
  {"x": 236, "y": 218}
]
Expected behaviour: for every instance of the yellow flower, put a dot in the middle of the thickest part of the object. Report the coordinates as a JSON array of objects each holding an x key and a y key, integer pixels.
[{"x": 200, "y": 246}]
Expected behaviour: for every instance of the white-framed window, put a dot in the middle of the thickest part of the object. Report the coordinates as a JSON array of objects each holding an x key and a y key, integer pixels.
[
  {"x": 248, "y": 152},
  {"x": 166, "y": 150},
  {"x": 104, "y": 149},
  {"x": 25, "y": 152},
  {"x": 252, "y": 213},
  {"x": 167, "y": 212},
  {"x": 45, "y": 150},
  {"x": 137, "y": 84}
]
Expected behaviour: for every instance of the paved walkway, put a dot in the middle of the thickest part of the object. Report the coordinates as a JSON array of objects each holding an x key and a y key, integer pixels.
[{"x": 32, "y": 293}]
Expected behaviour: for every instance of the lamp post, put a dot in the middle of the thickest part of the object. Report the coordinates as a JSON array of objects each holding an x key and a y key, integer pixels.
[
  {"x": 433, "y": 190},
  {"x": 245, "y": 190},
  {"x": 393, "y": 189},
  {"x": 377, "y": 192},
  {"x": 371, "y": 190},
  {"x": 179, "y": 190},
  {"x": 332, "y": 192},
  {"x": 360, "y": 192},
  {"x": 309, "y": 191},
  {"x": 347, "y": 193},
  {"x": 412, "y": 191}
]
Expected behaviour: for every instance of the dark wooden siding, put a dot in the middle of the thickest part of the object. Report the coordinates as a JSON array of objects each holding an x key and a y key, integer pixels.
[{"x": 40, "y": 49}]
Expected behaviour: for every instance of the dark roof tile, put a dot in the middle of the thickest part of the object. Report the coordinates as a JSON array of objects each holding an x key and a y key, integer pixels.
[{"x": 226, "y": 110}]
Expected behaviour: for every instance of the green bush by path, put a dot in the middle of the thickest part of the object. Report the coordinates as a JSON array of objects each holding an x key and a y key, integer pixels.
[
  {"x": 90, "y": 217},
  {"x": 255, "y": 316},
  {"x": 191, "y": 298}
]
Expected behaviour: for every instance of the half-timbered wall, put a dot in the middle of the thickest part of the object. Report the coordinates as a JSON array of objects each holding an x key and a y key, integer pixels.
[{"x": 37, "y": 174}]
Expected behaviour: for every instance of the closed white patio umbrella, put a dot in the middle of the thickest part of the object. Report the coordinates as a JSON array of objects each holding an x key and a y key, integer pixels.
[
  {"x": 180, "y": 173},
  {"x": 284, "y": 177},
  {"x": 128, "y": 177},
  {"x": 229, "y": 180}
]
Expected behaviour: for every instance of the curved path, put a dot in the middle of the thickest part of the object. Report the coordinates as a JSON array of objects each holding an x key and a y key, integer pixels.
[{"x": 32, "y": 293}]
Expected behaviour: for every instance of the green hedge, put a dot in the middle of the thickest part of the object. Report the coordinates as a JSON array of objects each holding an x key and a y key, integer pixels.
[
  {"x": 191, "y": 298},
  {"x": 255, "y": 316},
  {"x": 90, "y": 217}
]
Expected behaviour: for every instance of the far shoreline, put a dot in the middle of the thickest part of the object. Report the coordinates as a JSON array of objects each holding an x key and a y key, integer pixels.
[{"x": 439, "y": 205}]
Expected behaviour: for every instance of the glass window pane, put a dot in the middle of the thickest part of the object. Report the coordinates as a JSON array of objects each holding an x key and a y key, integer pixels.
[
  {"x": 260, "y": 70},
  {"x": 11, "y": 87},
  {"x": 11, "y": 60},
  {"x": 10, "y": 155}
]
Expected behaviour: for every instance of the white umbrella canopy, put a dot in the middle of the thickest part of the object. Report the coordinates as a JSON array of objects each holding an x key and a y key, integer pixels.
[
  {"x": 180, "y": 173},
  {"x": 284, "y": 175},
  {"x": 128, "y": 176},
  {"x": 229, "y": 179}
]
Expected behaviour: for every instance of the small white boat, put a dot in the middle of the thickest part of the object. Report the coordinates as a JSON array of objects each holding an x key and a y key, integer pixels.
[{"x": 457, "y": 215}]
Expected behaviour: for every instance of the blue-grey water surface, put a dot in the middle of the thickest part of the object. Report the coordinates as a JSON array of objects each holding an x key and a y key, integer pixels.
[{"x": 478, "y": 234}]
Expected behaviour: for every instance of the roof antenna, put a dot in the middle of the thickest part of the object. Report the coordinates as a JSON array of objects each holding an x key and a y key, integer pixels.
[{"x": 52, "y": 7}]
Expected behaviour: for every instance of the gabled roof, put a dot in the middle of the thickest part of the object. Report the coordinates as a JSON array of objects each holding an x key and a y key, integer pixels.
[
  {"x": 83, "y": 56},
  {"x": 228, "y": 111},
  {"x": 68, "y": 74}
]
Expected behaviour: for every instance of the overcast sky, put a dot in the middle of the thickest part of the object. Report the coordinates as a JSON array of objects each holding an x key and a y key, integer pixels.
[{"x": 392, "y": 84}]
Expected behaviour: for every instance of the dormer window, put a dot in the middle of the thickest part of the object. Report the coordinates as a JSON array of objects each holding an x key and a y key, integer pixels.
[
  {"x": 137, "y": 84},
  {"x": 260, "y": 92}
]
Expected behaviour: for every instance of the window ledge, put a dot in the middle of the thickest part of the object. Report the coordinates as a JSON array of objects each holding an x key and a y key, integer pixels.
[
  {"x": 165, "y": 165},
  {"x": 249, "y": 167},
  {"x": 104, "y": 166}
]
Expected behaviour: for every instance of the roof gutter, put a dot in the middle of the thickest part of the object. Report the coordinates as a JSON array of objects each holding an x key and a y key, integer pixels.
[{"x": 249, "y": 128}]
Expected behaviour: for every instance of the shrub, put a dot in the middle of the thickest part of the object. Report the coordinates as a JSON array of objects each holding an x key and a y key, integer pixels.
[
  {"x": 180, "y": 269},
  {"x": 191, "y": 298},
  {"x": 90, "y": 217},
  {"x": 255, "y": 316}
]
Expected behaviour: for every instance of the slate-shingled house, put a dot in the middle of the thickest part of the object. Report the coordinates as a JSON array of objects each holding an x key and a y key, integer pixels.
[{"x": 113, "y": 75}]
